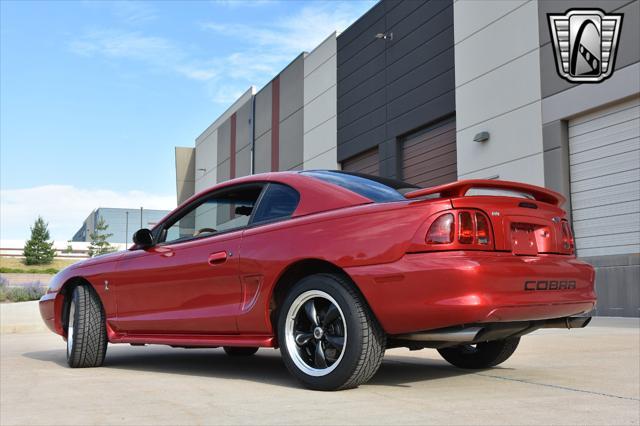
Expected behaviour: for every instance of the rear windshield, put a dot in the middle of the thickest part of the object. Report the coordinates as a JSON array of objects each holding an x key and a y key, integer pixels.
[{"x": 378, "y": 189}]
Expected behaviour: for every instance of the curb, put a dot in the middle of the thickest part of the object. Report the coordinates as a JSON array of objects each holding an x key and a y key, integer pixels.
[{"x": 21, "y": 317}]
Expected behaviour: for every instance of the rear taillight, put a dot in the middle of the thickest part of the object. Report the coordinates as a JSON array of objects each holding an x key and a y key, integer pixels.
[
  {"x": 465, "y": 228},
  {"x": 567, "y": 237},
  {"x": 482, "y": 229},
  {"x": 441, "y": 230},
  {"x": 461, "y": 229}
]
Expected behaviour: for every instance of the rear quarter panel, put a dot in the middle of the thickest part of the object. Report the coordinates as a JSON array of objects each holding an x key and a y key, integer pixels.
[{"x": 356, "y": 236}]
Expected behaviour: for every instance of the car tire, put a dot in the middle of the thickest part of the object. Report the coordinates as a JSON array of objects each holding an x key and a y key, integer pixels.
[
  {"x": 239, "y": 351},
  {"x": 482, "y": 355},
  {"x": 86, "y": 329},
  {"x": 319, "y": 314}
]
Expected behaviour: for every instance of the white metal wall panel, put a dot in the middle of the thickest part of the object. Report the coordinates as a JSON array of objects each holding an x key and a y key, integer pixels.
[{"x": 604, "y": 161}]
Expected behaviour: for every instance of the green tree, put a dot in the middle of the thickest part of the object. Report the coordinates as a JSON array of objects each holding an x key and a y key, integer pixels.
[
  {"x": 38, "y": 250},
  {"x": 99, "y": 244}
]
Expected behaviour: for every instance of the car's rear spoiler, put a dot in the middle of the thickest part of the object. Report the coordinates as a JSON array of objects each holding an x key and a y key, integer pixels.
[{"x": 461, "y": 187}]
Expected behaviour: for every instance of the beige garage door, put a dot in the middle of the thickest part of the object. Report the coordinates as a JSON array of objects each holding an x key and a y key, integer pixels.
[
  {"x": 367, "y": 162},
  {"x": 429, "y": 156},
  {"x": 604, "y": 158}
]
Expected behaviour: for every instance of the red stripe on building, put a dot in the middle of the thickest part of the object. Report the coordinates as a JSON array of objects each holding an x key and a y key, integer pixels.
[
  {"x": 275, "y": 124},
  {"x": 232, "y": 148}
]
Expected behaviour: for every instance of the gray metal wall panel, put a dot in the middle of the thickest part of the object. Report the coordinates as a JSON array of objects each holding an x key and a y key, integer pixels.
[
  {"x": 429, "y": 21},
  {"x": 263, "y": 111},
  {"x": 363, "y": 125},
  {"x": 402, "y": 12},
  {"x": 430, "y": 89},
  {"x": 262, "y": 157},
  {"x": 371, "y": 48},
  {"x": 365, "y": 89},
  {"x": 243, "y": 161},
  {"x": 224, "y": 171},
  {"x": 355, "y": 82},
  {"x": 628, "y": 51},
  {"x": 617, "y": 284},
  {"x": 365, "y": 141},
  {"x": 243, "y": 126},
  {"x": 224, "y": 142},
  {"x": 425, "y": 113},
  {"x": 387, "y": 88},
  {"x": 434, "y": 67},
  {"x": 358, "y": 28},
  {"x": 375, "y": 100},
  {"x": 291, "y": 131},
  {"x": 292, "y": 88}
]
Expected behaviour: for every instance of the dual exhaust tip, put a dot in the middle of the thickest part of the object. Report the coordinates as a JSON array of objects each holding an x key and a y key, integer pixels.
[{"x": 492, "y": 331}]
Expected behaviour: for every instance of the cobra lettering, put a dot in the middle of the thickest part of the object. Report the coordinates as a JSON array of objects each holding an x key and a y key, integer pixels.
[{"x": 544, "y": 285}]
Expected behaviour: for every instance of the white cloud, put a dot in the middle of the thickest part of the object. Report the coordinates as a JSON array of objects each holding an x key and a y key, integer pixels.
[
  {"x": 65, "y": 207},
  {"x": 274, "y": 44},
  {"x": 301, "y": 31},
  {"x": 155, "y": 51},
  {"x": 133, "y": 12},
  {"x": 264, "y": 49}
]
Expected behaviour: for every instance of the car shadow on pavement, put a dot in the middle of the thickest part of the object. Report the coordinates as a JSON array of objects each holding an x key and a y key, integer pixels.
[{"x": 265, "y": 367}]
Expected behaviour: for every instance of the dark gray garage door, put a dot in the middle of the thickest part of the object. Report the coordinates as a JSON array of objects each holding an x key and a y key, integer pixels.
[
  {"x": 429, "y": 156},
  {"x": 367, "y": 162}
]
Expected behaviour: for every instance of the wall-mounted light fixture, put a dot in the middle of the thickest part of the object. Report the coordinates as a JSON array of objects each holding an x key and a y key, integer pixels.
[
  {"x": 201, "y": 170},
  {"x": 385, "y": 36},
  {"x": 481, "y": 137}
]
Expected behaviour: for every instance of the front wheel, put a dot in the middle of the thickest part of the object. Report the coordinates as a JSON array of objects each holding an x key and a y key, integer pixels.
[
  {"x": 481, "y": 355},
  {"x": 328, "y": 338},
  {"x": 86, "y": 329}
]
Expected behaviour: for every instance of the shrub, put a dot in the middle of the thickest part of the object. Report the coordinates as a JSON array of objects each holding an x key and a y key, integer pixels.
[
  {"x": 3, "y": 289},
  {"x": 23, "y": 293},
  {"x": 5, "y": 270}
]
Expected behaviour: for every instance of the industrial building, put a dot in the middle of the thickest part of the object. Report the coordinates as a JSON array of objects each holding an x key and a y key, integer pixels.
[
  {"x": 435, "y": 91},
  {"x": 122, "y": 223}
]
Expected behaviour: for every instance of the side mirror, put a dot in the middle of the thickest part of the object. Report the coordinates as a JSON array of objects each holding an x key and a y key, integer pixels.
[{"x": 143, "y": 238}]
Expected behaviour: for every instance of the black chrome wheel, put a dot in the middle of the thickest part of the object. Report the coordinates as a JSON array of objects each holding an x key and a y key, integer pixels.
[
  {"x": 328, "y": 337},
  {"x": 316, "y": 333}
]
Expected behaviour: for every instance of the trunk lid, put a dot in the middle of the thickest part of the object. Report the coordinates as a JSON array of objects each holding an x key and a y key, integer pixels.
[
  {"x": 522, "y": 226},
  {"x": 526, "y": 219}
]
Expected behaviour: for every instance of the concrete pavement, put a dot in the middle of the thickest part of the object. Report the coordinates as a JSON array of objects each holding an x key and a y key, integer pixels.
[{"x": 588, "y": 376}]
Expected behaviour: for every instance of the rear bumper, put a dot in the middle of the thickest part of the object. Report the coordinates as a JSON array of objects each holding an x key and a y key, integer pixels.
[{"x": 427, "y": 291}]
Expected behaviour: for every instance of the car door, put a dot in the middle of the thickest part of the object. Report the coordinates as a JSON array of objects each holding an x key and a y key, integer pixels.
[{"x": 188, "y": 282}]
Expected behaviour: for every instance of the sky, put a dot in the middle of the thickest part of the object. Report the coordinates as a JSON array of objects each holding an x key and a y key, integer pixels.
[{"x": 94, "y": 96}]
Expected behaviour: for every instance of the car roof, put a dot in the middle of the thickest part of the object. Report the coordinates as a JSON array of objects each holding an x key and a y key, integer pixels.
[{"x": 315, "y": 195}]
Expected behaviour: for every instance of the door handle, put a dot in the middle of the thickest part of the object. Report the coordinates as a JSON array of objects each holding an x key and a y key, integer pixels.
[{"x": 217, "y": 258}]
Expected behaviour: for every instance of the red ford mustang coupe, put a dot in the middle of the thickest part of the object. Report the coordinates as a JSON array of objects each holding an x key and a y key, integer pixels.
[{"x": 333, "y": 268}]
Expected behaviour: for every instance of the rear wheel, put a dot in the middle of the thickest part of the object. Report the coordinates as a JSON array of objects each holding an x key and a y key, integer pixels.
[
  {"x": 481, "y": 355},
  {"x": 239, "y": 351},
  {"x": 86, "y": 329},
  {"x": 328, "y": 338}
]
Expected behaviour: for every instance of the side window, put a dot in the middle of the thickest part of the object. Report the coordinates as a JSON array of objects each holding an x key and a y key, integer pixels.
[
  {"x": 278, "y": 202},
  {"x": 223, "y": 211}
]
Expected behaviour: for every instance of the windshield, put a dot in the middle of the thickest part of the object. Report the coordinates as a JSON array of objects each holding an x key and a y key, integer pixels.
[{"x": 378, "y": 189}]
